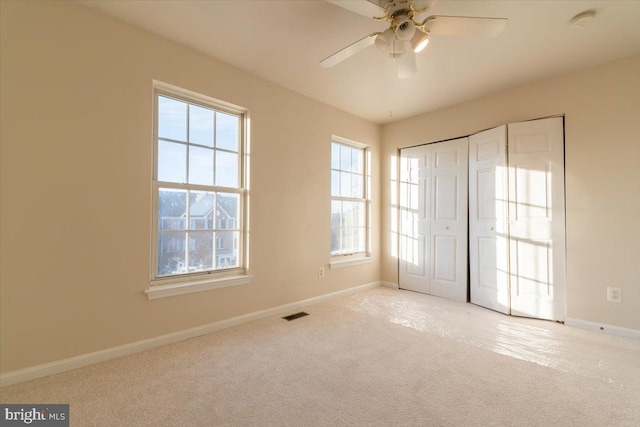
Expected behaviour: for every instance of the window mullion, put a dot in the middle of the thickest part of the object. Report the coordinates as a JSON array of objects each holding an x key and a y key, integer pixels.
[
  {"x": 199, "y": 187},
  {"x": 348, "y": 199},
  {"x": 214, "y": 260},
  {"x": 175, "y": 141},
  {"x": 367, "y": 230},
  {"x": 214, "y": 228},
  {"x": 188, "y": 147},
  {"x": 367, "y": 197},
  {"x": 215, "y": 154},
  {"x": 187, "y": 227}
]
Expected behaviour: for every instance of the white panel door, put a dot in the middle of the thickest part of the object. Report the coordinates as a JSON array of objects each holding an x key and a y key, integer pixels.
[
  {"x": 415, "y": 181},
  {"x": 536, "y": 218},
  {"x": 433, "y": 219},
  {"x": 488, "y": 225},
  {"x": 448, "y": 210}
]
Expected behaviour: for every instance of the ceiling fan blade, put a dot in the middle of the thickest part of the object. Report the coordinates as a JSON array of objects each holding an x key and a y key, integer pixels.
[
  {"x": 370, "y": 9},
  {"x": 465, "y": 26},
  {"x": 349, "y": 51},
  {"x": 406, "y": 64},
  {"x": 421, "y": 4},
  {"x": 422, "y": 7}
]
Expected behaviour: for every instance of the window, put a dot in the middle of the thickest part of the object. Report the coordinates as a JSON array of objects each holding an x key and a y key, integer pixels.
[
  {"x": 350, "y": 204},
  {"x": 199, "y": 195}
]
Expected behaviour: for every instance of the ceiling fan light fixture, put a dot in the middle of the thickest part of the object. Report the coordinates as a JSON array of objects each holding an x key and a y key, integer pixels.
[
  {"x": 384, "y": 41},
  {"x": 405, "y": 30},
  {"x": 419, "y": 41}
]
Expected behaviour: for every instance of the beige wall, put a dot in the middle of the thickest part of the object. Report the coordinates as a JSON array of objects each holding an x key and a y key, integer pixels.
[
  {"x": 602, "y": 130},
  {"x": 76, "y": 101}
]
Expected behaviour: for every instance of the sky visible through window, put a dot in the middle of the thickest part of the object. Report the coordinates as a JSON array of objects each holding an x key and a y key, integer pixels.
[{"x": 208, "y": 139}]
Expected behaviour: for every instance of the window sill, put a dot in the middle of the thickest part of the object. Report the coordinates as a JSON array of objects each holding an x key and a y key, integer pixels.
[
  {"x": 333, "y": 264},
  {"x": 198, "y": 285}
]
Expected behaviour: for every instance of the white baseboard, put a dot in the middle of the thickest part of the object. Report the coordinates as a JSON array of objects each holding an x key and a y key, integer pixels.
[
  {"x": 59, "y": 366},
  {"x": 601, "y": 327},
  {"x": 390, "y": 285}
]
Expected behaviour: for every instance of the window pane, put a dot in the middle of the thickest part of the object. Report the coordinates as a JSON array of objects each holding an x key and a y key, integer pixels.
[
  {"x": 172, "y": 162},
  {"x": 335, "y": 156},
  {"x": 200, "y": 165},
  {"x": 357, "y": 185},
  {"x": 361, "y": 239},
  {"x": 357, "y": 160},
  {"x": 336, "y": 241},
  {"x": 353, "y": 239},
  {"x": 345, "y": 158},
  {"x": 172, "y": 119},
  {"x": 172, "y": 209},
  {"x": 336, "y": 222},
  {"x": 171, "y": 253},
  {"x": 359, "y": 212},
  {"x": 200, "y": 251},
  {"x": 227, "y": 212},
  {"x": 226, "y": 169},
  {"x": 347, "y": 240},
  {"x": 201, "y": 210},
  {"x": 347, "y": 214},
  {"x": 227, "y": 249},
  {"x": 345, "y": 184},
  {"x": 335, "y": 183},
  {"x": 336, "y": 213},
  {"x": 227, "y": 131},
  {"x": 200, "y": 125}
]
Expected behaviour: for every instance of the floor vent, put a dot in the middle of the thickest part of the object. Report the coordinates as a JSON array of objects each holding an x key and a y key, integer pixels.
[{"x": 295, "y": 316}]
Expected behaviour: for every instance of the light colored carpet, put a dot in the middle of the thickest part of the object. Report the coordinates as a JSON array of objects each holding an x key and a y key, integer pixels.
[{"x": 380, "y": 357}]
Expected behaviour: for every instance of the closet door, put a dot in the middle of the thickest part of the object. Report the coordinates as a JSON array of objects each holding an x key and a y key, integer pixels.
[
  {"x": 415, "y": 182},
  {"x": 433, "y": 219},
  {"x": 536, "y": 218},
  {"x": 488, "y": 225},
  {"x": 449, "y": 219}
]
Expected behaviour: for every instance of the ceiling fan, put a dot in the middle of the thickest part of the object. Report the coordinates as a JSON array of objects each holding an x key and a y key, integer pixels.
[{"x": 408, "y": 34}]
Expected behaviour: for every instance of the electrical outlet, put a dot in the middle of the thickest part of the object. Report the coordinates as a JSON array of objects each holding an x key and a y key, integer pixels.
[
  {"x": 614, "y": 294},
  {"x": 321, "y": 272}
]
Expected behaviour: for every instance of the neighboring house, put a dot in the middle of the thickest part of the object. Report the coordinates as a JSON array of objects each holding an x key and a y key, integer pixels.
[{"x": 204, "y": 216}]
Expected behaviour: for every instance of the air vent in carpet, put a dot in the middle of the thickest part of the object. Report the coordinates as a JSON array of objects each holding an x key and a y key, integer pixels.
[{"x": 295, "y": 316}]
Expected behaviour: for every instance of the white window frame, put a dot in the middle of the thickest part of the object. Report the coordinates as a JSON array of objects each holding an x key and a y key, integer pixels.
[
  {"x": 364, "y": 257},
  {"x": 164, "y": 286}
]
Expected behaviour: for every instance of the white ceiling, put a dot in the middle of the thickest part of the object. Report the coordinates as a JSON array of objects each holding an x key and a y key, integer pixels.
[{"x": 283, "y": 41}]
